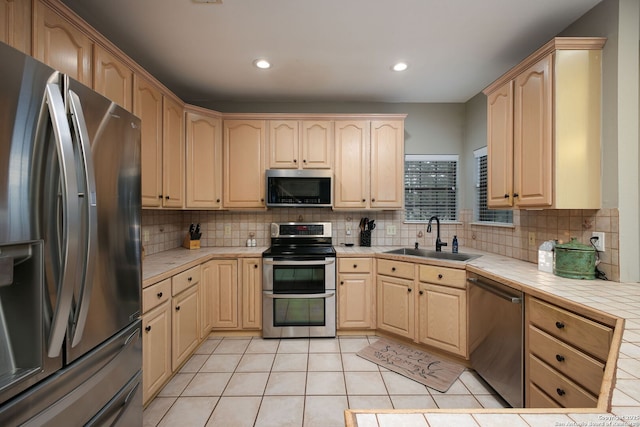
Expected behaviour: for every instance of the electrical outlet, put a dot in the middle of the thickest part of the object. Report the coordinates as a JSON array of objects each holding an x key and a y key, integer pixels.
[
  {"x": 532, "y": 238},
  {"x": 145, "y": 236},
  {"x": 599, "y": 243},
  {"x": 347, "y": 228},
  {"x": 391, "y": 230},
  {"x": 227, "y": 230}
]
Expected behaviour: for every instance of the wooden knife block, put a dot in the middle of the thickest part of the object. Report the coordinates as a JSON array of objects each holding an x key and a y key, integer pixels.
[{"x": 190, "y": 244}]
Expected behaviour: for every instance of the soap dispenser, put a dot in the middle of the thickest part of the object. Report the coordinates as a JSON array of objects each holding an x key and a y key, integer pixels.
[{"x": 454, "y": 245}]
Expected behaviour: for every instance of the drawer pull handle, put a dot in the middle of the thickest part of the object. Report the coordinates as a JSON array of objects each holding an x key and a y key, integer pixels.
[
  {"x": 177, "y": 308},
  {"x": 439, "y": 276},
  {"x": 559, "y": 358},
  {"x": 159, "y": 294},
  {"x": 393, "y": 269},
  {"x": 560, "y": 392},
  {"x": 148, "y": 328},
  {"x": 559, "y": 325}
]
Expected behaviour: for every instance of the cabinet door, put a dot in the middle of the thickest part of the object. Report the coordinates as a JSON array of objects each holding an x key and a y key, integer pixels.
[
  {"x": 500, "y": 147},
  {"x": 443, "y": 318},
  {"x": 317, "y": 144},
  {"x": 156, "y": 350},
  {"x": 204, "y": 161},
  {"x": 172, "y": 154},
  {"x": 351, "y": 185},
  {"x": 15, "y": 24},
  {"x": 59, "y": 44},
  {"x": 251, "y": 293},
  {"x": 356, "y": 304},
  {"x": 387, "y": 164},
  {"x": 185, "y": 334},
  {"x": 396, "y": 306},
  {"x": 147, "y": 105},
  {"x": 533, "y": 137},
  {"x": 207, "y": 284},
  {"x": 224, "y": 310},
  {"x": 283, "y": 144},
  {"x": 244, "y": 142},
  {"x": 112, "y": 78}
]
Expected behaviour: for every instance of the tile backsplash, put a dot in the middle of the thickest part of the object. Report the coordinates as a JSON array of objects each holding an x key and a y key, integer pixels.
[{"x": 165, "y": 229}]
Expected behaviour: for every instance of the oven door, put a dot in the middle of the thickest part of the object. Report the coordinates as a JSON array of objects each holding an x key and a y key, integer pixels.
[{"x": 299, "y": 298}]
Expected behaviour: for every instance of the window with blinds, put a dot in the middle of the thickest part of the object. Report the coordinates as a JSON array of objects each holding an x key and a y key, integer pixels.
[
  {"x": 430, "y": 187},
  {"x": 482, "y": 212}
]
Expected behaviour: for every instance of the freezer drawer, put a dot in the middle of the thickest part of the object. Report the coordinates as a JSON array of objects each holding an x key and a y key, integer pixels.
[{"x": 85, "y": 389}]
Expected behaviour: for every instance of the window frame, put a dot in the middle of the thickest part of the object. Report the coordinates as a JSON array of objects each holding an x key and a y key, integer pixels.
[{"x": 477, "y": 208}]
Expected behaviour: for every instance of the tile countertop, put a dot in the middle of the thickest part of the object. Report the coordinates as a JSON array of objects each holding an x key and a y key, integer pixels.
[{"x": 618, "y": 299}]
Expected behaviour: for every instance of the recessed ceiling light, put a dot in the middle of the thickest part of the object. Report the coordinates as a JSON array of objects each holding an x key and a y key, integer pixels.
[
  {"x": 400, "y": 66},
  {"x": 262, "y": 63}
]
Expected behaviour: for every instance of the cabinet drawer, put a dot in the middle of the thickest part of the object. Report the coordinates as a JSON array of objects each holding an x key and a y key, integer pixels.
[
  {"x": 401, "y": 269},
  {"x": 354, "y": 265},
  {"x": 576, "y": 330},
  {"x": 154, "y": 295},
  {"x": 443, "y": 276},
  {"x": 576, "y": 365},
  {"x": 564, "y": 391},
  {"x": 184, "y": 280},
  {"x": 539, "y": 399}
]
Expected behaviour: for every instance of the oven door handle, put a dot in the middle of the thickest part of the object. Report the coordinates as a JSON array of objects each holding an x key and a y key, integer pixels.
[
  {"x": 299, "y": 263},
  {"x": 298, "y": 296}
]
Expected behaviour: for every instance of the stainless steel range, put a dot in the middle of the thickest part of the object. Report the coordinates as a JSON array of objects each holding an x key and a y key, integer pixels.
[{"x": 299, "y": 282}]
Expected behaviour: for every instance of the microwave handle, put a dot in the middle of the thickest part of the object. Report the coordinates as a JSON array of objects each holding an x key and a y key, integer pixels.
[{"x": 299, "y": 263}]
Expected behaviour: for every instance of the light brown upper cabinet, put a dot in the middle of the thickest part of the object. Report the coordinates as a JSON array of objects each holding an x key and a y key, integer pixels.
[
  {"x": 300, "y": 144},
  {"x": 112, "y": 78},
  {"x": 173, "y": 152},
  {"x": 369, "y": 164},
  {"x": 60, "y": 44},
  {"x": 543, "y": 130},
  {"x": 244, "y": 164},
  {"x": 204, "y": 159},
  {"x": 15, "y": 24},
  {"x": 147, "y": 105}
]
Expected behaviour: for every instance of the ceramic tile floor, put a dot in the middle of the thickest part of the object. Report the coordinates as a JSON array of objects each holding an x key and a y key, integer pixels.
[{"x": 235, "y": 382}]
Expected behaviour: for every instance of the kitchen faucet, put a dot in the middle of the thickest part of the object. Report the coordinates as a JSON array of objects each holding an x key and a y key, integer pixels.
[{"x": 439, "y": 243}]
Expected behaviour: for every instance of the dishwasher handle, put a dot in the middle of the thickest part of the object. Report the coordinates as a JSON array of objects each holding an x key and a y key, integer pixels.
[{"x": 487, "y": 287}]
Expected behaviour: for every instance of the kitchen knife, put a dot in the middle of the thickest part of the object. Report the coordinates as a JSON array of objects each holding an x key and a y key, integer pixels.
[
  {"x": 192, "y": 229},
  {"x": 197, "y": 233}
]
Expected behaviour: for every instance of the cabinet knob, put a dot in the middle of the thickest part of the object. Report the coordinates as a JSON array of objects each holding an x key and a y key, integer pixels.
[
  {"x": 342, "y": 282},
  {"x": 439, "y": 276},
  {"x": 255, "y": 265},
  {"x": 560, "y": 391},
  {"x": 559, "y": 358},
  {"x": 364, "y": 200},
  {"x": 189, "y": 278},
  {"x": 373, "y": 200},
  {"x": 409, "y": 289},
  {"x": 295, "y": 160},
  {"x": 166, "y": 197},
  {"x": 421, "y": 292},
  {"x": 355, "y": 265},
  {"x": 559, "y": 325},
  {"x": 516, "y": 195},
  {"x": 177, "y": 308},
  {"x": 304, "y": 160},
  {"x": 159, "y": 196},
  {"x": 147, "y": 328},
  {"x": 506, "y": 196},
  {"x": 159, "y": 294},
  {"x": 261, "y": 200},
  {"x": 393, "y": 269},
  {"x": 217, "y": 200}
]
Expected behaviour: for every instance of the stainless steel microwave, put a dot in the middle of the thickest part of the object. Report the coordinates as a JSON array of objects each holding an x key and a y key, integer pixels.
[{"x": 299, "y": 188}]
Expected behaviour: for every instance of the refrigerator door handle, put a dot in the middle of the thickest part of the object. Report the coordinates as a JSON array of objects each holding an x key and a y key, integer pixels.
[
  {"x": 90, "y": 204},
  {"x": 71, "y": 215}
]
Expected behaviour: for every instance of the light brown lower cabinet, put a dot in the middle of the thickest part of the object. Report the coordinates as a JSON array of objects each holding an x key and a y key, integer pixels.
[
  {"x": 251, "y": 293},
  {"x": 356, "y": 294},
  {"x": 185, "y": 334},
  {"x": 224, "y": 304},
  {"x": 396, "y": 305},
  {"x": 156, "y": 350},
  {"x": 442, "y": 314}
]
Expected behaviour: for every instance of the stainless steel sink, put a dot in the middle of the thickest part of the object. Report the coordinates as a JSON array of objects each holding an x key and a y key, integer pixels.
[{"x": 425, "y": 253}]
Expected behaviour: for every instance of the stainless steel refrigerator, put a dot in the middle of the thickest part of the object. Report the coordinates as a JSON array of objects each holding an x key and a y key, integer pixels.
[{"x": 70, "y": 258}]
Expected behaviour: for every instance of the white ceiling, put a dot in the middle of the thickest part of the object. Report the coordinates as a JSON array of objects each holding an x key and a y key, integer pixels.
[{"x": 329, "y": 50}]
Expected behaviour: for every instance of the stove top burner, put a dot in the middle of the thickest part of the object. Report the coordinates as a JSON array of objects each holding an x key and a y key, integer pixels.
[
  {"x": 299, "y": 250},
  {"x": 300, "y": 240}
]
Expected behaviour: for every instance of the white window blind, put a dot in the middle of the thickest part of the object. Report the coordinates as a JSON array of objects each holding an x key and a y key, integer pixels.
[
  {"x": 482, "y": 212},
  {"x": 430, "y": 187}
]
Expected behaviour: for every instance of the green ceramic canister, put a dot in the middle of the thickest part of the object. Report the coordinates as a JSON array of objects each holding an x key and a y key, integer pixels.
[{"x": 575, "y": 260}]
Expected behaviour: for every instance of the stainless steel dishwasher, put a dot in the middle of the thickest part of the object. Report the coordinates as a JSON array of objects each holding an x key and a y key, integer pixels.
[{"x": 496, "y": 337}]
